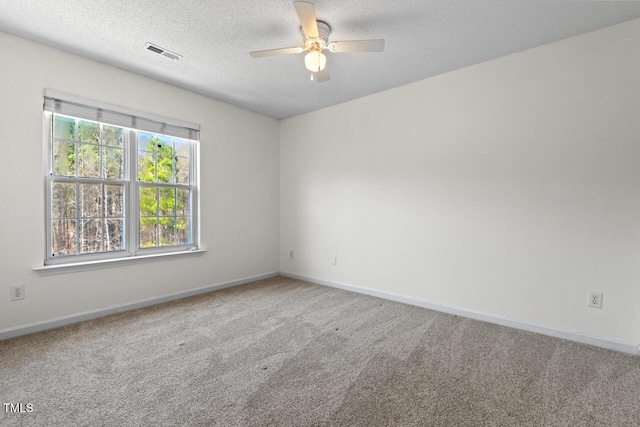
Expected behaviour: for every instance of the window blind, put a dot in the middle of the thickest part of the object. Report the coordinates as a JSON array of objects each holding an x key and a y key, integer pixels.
[{"x": 55, "y": 102}]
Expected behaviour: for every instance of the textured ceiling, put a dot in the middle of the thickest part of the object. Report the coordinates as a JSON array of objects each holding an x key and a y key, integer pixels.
[{"x": 423, "y": 38}]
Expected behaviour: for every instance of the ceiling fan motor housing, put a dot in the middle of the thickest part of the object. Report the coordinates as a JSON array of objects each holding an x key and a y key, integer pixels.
[{"x": 323, "y": 36}]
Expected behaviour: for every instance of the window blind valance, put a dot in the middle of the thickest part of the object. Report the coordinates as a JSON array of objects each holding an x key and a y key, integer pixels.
[{"x": 70, "y": 105}]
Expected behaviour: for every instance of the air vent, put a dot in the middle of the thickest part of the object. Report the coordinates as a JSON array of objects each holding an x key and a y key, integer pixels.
[
  {"x": 161, "y": 51},
  {"x": 154, "y": 49}
]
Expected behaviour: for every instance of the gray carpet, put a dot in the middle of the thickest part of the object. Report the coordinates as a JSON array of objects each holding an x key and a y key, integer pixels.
[{"x": 288, "y": 353}]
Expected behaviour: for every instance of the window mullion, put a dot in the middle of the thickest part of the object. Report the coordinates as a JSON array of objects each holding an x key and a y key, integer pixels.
[
  {"x": 77, "y": 211},
  {"x": 75, "y": 175},
  {"x": 103, "y": 217},
  {"x": 88, "y": 180},
  {"x": 157, "y": 214},
  {"x": 169, "y": 185},
  {"x": 75, "y": 148},
  {"x": 101, "y": 148},
  {"x": 133, "y": 192},
  {"x": 101, "y": 174}
]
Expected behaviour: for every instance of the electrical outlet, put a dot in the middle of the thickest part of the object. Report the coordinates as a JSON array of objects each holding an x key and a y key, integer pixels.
[
  {"x": 334, "y": 260},
  {"x": 16, "y": 292},
  {"x": 595, "y": 299},
  {"x": 291, "y": 255}
]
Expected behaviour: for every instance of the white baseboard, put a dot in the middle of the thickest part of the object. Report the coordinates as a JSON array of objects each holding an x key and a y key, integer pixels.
[
  {"x": 94, "y": 314},
  {"x": 608, "y": 343}
]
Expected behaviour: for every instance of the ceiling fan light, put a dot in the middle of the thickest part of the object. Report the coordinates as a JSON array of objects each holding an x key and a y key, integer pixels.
[{"x": 315, "y": 61}]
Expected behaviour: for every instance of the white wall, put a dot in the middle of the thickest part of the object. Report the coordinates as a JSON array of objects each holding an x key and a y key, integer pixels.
[
  {"x": 239, "y": 187},
  {"x": 509, "y": 188}
]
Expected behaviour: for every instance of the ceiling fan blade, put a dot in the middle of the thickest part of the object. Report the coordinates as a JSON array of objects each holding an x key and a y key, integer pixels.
[
  {"x": 357, "y": 46},
  {"x": 322, "y": 76},
  {"x": 307, "y": 17},
  {"x": 274, "y": 52}
]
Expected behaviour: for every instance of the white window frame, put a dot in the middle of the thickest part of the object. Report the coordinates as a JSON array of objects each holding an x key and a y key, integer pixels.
[{"x": 115, "y": 116}]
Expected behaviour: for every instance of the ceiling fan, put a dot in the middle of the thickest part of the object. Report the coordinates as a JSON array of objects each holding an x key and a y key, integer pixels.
[{"x": 316, "y": 39}]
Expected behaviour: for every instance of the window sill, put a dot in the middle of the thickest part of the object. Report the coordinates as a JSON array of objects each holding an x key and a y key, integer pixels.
[{"x": 47, "y": 270}]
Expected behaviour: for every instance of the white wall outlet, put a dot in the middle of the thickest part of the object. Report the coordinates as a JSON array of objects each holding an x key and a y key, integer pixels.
[
  {"x": 595, "y": 299},
  {"x": 292, "y": 255},
  {"x": 334, "y": 260},
  {"x": 16, "y": 292}
]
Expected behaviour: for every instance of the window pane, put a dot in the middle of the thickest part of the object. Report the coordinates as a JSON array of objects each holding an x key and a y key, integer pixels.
[
  {"x": 165, "y": 168},
  {"x": 167, "y": 230},
  {"x": 181, "y": 147},
  {"x": 164, "y": 144},
  {"x": 112, "y": 163},
  {"x": 114, "y": 200},
  {"x": 113, "y": 136},
  {"x": 182, "y": 231},
  {"x": 182, "y": 170},
  {"x": 63, "y": 200},
  {"x": 146, "y": 167},
  {"x": 64, "y": 158},
  {"x": 148, "y": 204},
  {"x": 64, "y": 127},
  {"x": 146, "y": 142},
  {"x": 90, "y": 236},
  {"x": 167, "y": 199},
  {"x": 90, "y": 200},
  {"x": 147, "y": 232},
  {"x": 114, "y": 235},
  {"x": 88, "y": 132},
  {"x": 63, "y": 237},
  {"x": 88, "y": 161},
  {"x": 182, "y": 203}
]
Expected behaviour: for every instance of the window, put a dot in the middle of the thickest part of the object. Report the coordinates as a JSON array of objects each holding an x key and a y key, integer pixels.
[{"x": 117, "y": 184}]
